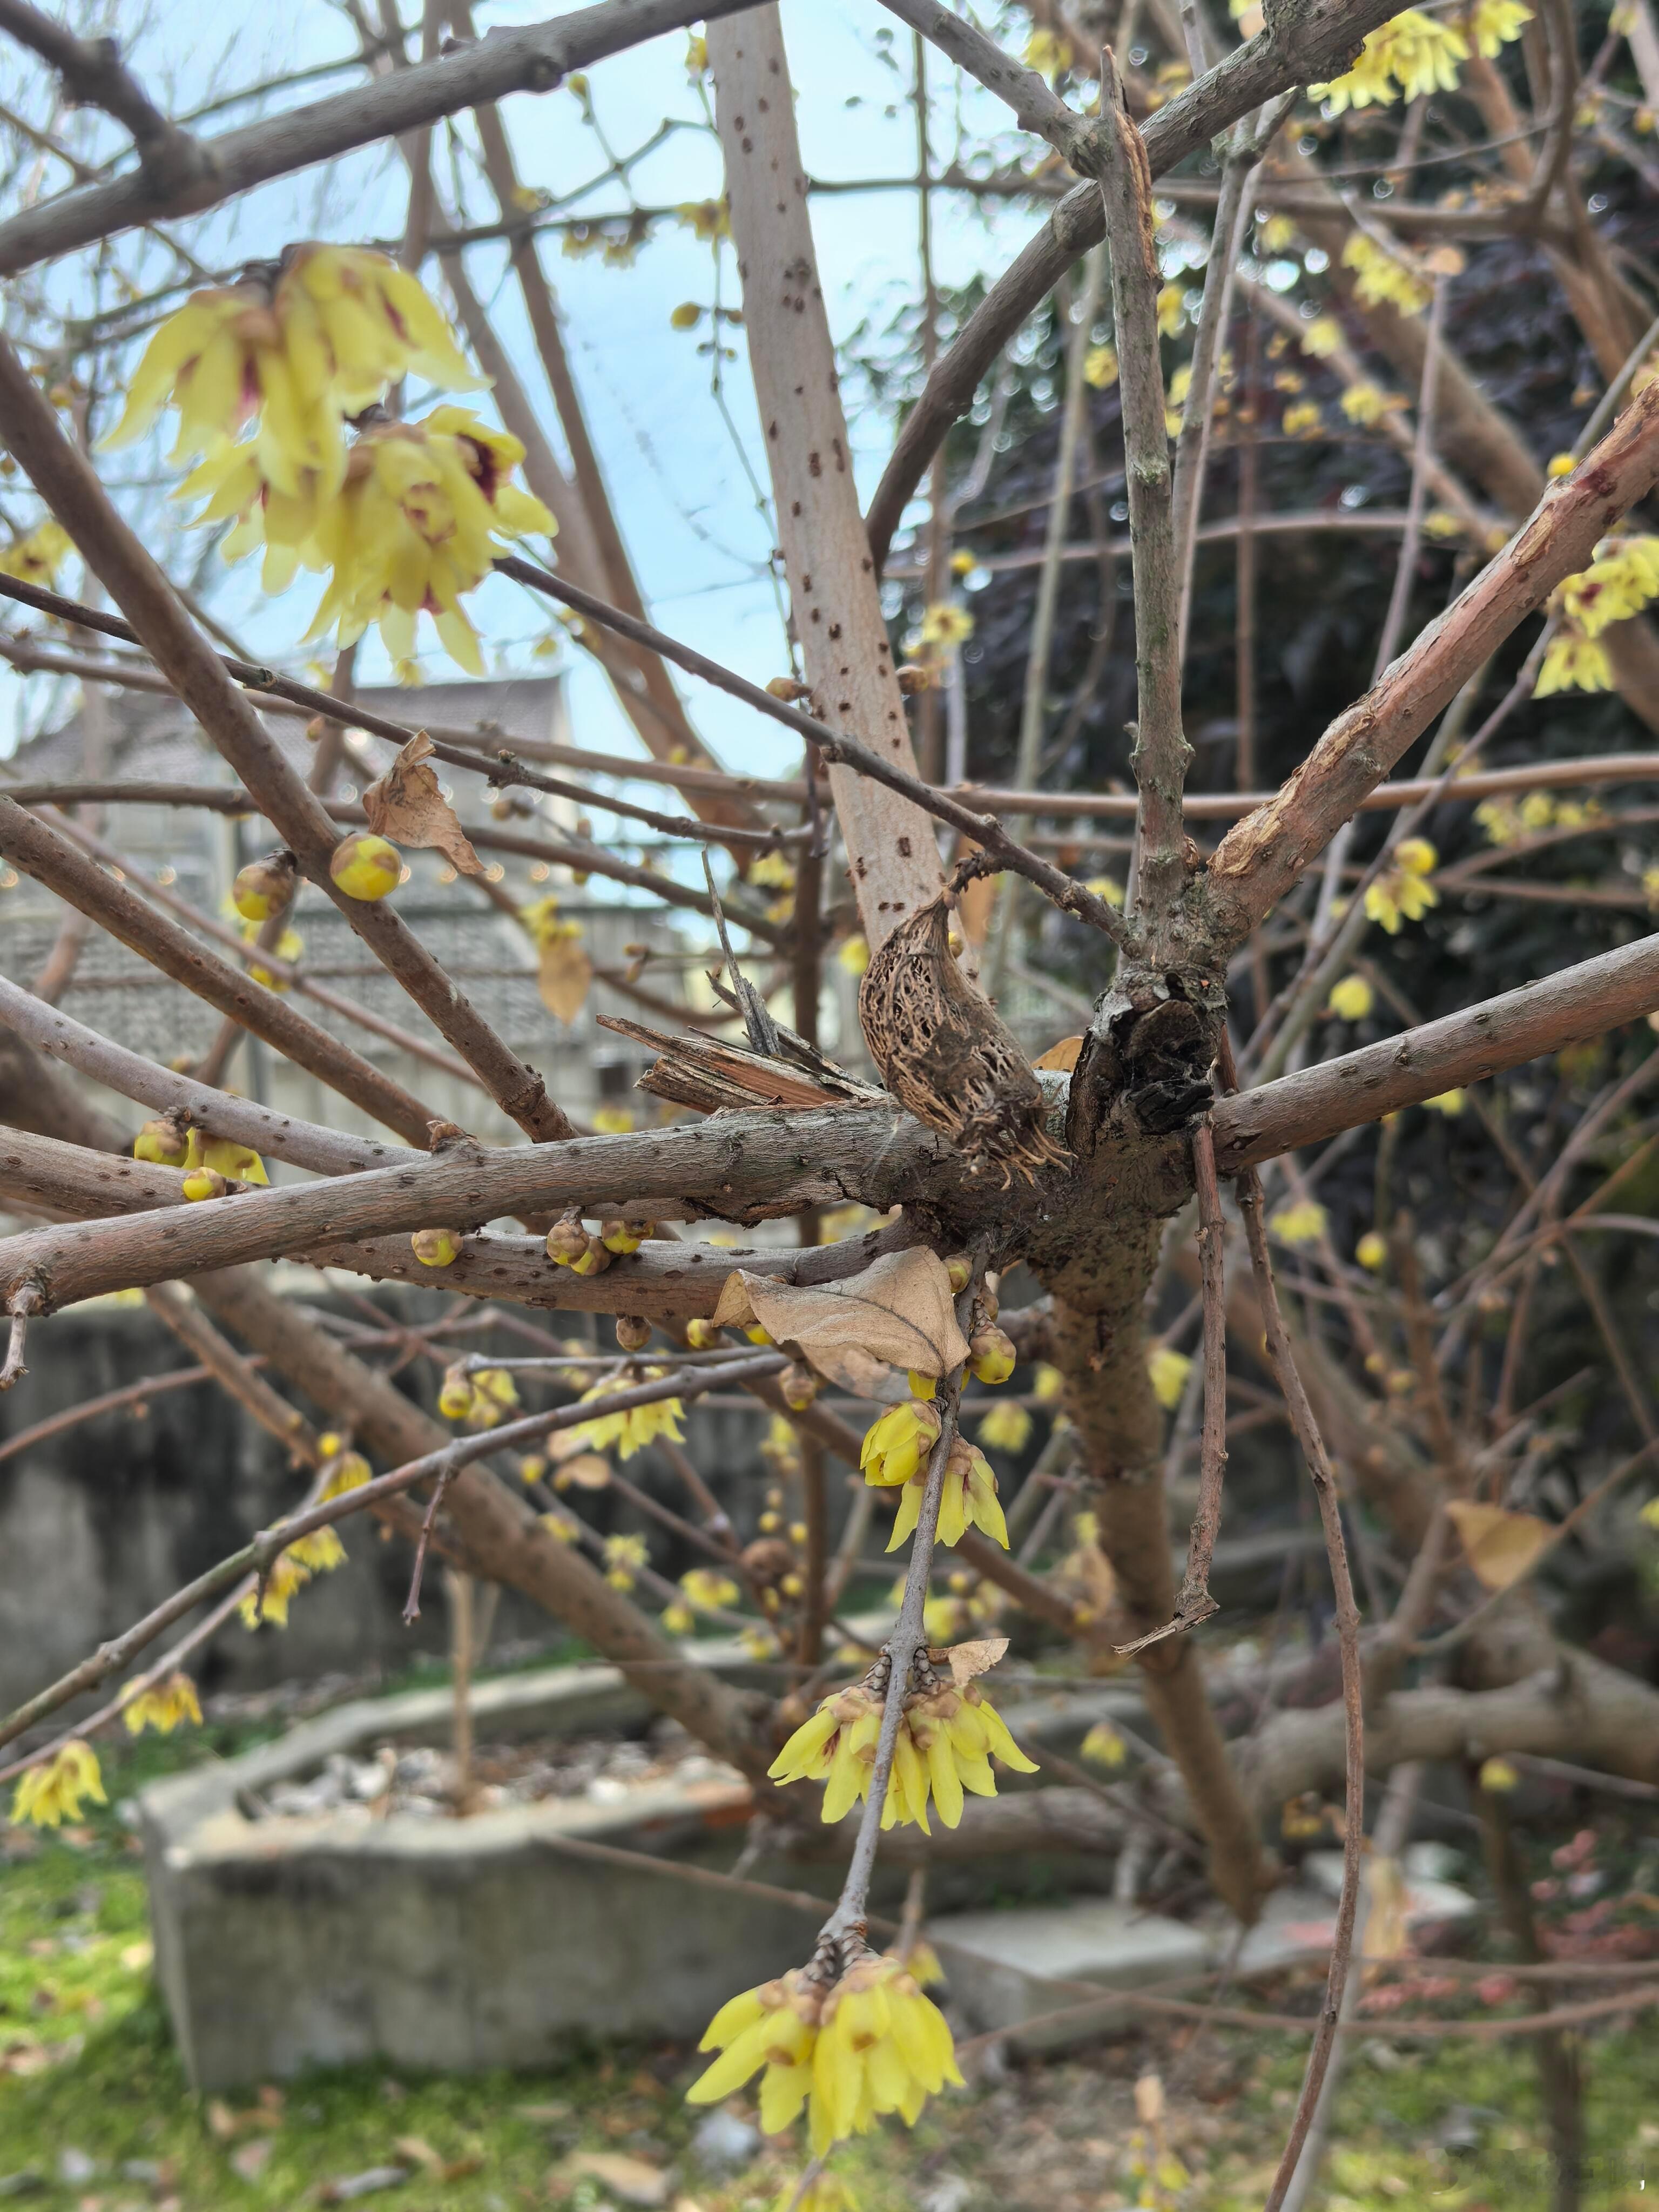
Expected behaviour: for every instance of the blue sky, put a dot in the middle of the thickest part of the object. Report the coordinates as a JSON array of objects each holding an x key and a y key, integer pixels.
[{"x": 680, "y": 488}]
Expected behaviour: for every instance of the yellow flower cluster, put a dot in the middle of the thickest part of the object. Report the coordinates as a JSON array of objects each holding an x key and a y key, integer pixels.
[
  {"x": 1302, "y": 1224},
  {"x": 1382, "y": 278},
  {"x": 1100, "y": 367},
  {"x": 37, "y": 557},
  {"x": 1169, "y": 1370},
  {"x": 624, "y": 1558},
  {"x": 1006, "y": 1427},
  {"x": 49, "y": 1793},
  {"x": 968, "y": 1499},
  {"x": 1507, "y": 821},
  {"x": 1047, "y": 53},
  {"x": 1622, "y": 579},
  {"x": 542, "y": 925},
  {"x": 634, "y": 1427},
  {"x": 1404, "y": 892},
  {"x": 319, "y": 1554},
  {"x": 479, "y": 1398},
  {"x": 867, "y": 2043},
  {"x": 343, "y": 1470},
  {"x": 897, "y": 1443},
  {"x": 1415, "y": 55},
  {"x": 164, "y": 1706},
  {"x": 1350, "y": 1000},
  {"x": 946, "y": 623},
  {"x": 1366, "y": 403},
  {"x": 947, "y": 1738},
  {"x": 1573, "y": 662}
]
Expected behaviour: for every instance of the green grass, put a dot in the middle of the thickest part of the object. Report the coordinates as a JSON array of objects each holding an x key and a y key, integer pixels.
[{"x": 86, "y": 2065}]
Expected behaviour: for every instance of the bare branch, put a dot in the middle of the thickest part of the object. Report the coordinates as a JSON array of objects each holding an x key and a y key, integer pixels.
[
  {"x": 93, "y": 75},
  {"x": 537, "y": 59},
  {"x": 1161, "y": 751},
  {"x": 1361, "y": 1086}
]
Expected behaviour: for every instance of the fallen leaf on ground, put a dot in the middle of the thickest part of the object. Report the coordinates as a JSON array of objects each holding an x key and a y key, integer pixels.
[
  {"x": 407, "y": 806},
  {"x": 632, "y": 2178},
  {"x": 1499, "y": 1546},
  {"x": 251, "y": 2159},
  {"x": 900, "y": 1312},
  {"x": 367, "y": 2183}
]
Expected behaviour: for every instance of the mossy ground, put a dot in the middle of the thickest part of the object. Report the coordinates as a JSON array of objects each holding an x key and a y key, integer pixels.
[{"x": 87, "y": 2066}]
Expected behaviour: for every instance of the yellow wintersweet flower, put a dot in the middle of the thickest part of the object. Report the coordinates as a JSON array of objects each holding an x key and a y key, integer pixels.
[
  {"x": 896, "y": 1445},
  {"x": 968, "y": 1499},
  {"x": 36, "y": 558},
  {"x": 1497, "y": 1774},
  {"x": 1651, "y": 886},
  {"x": 1107, "y": 887},
  {"x": 1299, "y": 1225},
  {"x": 1301, "y": 419},
  {"x": 1404, "y": 892},
  {"x": 707, "y": 221},
  {"x": 1171, "y": 309},
  {"x": 1103, "y": 1746},
  {"x": 946, "y": 623},
  {"x": 1618, "y": 583},
  {"x": 624, "y": 1557},
  {"x": 1006, "y": 1427},
  {"x": 1047, "y": 54},
  {"x": 617, "y": 1121},
  {"x": 1560, "y": 464},
  {"x": 678, "y": 1619},
  {"x": 236, "y": 1162},
  {"x": 1278, "y": 232},
  {"x": 632, "y": 1428},
  {"x": 1100, "y": 367},
  {"x": 1169, "y": 1370},
  {"x": 1370, "y": 83},
  {"x": 1495, "y": 23},
  {"x": 1649, "y": 1515},
  {"x": 1450, "y": 1102},
  {"x": 853, "y": 954},
  {"x": 1350, "y": 1000},
  {"x": 1321, "y": 337},
  {"x": 1372, "y": 1251},
  {"x": 163, "y": 1706},
  {"x": 49, "y": 1794},
  {"x": 1573, "y": 662},
  {"x": 774, "y": 870},
  {"x": 320, "y": 1553},
  {"x": 1501, "y": 820},
  {"x": 696, "y": 55},
  {"x": 287, "y": 1578},
  {"x": 882, "y": 2047},
  {"x": 708, "y": 1590},
  {"x": 1366, "y": 403},
  {"x": 773, "y": 2027},
  {"x": 1413, "y": 52},
  {"x": 827, "y": 2193},
  {"x": 1382, "y": 278},
  {"x": 946, "y": 1740},
  {"x": 1047, "y": 1384}
]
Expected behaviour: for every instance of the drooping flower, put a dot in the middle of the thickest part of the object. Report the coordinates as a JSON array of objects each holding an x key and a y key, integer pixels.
[
  {"x": 1366, "y": 403},
  {"x": 36, "y": 557},
  {"x": 882, "y": 2047},
  {"x": 1404, "y": 892},
  {"x": 163, "y": 1706},
  {"x": 47, "y": 1795},
  {"x": 1047, "y": 53},
  {"x": 1412, "y": 53},
  {"x": 288, "y": 1576},
  {"x": 1382, "y": 278},
  {"x": 899, "y": 1442},
  {"x": 1006, "y": 1427},
  {"x": 967, "y": 1500},
  {"x": 1620, "y": 581},
  {"x": 1496, "y": 23},
  {"x": 343, "y": 1470},
  {"x": 634, "y": 1427},
  {"x": 224, "y": 1155},
  {"x": 1352, "y": 998},
  {"x": 1573, "y": 662},
  {"x": 947, "y": 1737},
  {"x": 770, "y": 2031},
  {"x": 946, "y": 623},
  {"x": 836, "y": 1745},
  {"x": 1103, "y": 1746},
  {"x": 1169, "y": 1370},
  {"x": 709, "y": 1590},
  {"x": 1299, "y": 1225},
  {"x": 320, "y": 1553}
]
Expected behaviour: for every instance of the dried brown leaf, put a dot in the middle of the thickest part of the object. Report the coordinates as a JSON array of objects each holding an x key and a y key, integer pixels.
[
  {"x": 588, "y": 1470},
  {"x": 900, "y": 1312},
  {"x": 407, "y": 805},
  {"x": 967, "y": 1660},
  {"x": 1062, "y": 1057},
  {"x": 1499, "y": 1546},
  {"x": 732, "y": 1309},
  {"x": 563, "y": 977},
  {"x": 631, "y": 2179}
]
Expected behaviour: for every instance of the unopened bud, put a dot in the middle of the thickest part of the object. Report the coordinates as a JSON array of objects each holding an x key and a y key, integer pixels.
[
  {"x": 594, "y": 1260},
  {"x": 567, "y": 1241},
  {"x": 265, "y": 886},
  {"x": 914, "y": 677},
  {"x": 799, "y": 1386},
  {"x": 702, "y": 1335},
  {"x": 993, "y": 1356},
  {"x": 435, "y": 1248},
  {"x": 789, "y": 689},
  {"x": 960, "y": 1271},
  {"x": 633, "y": 1332}
]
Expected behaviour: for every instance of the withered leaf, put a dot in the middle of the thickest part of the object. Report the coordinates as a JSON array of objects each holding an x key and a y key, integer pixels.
[
  {"x": 563, "y": 975},
  {"x": 1062, "y": 1057},
  {"x": 407, "y": 805},
  {"x": 588, "y": 1470},
  {"x": 1499, "y": 1546},
  {"x": 967, "y": 1660},
  {"x": 733, "y": 1309},
  {"x": 899, "y": 1313}
]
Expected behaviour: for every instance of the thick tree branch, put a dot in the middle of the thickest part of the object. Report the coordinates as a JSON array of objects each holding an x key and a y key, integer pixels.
[
  {"x": 1565, "y": 1009},
  {"x": 537, "y": 59},
  {"x": 93, "y": 75}
]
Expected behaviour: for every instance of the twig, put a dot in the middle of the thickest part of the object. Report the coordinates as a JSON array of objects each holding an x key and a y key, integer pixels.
[
  {"x": 1161, "y": 752},
  {"x": 412, "y": 1602},
  {"x": 1282, "y": 1363},
  {"x": 832, "y": 745},
  {"x": 24, "y": 1301},
  {"x": 1194, "y": 1602},
  {"x": 93, "y": 75}
]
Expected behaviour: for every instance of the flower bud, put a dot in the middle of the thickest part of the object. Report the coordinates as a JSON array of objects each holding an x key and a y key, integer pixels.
[
  {"x": 435, "y": 1248},
  {"x": 619, "y": 1236},
  {"x": 993, "y": 1356},
  {"x": 567, "y": 1241},
  {"x": 702, "y": 1335},
  {"x": 960, "y": 1271},
  {"x": 594, "y": 1260},
  {"x": 455, "y": 1397},
  {"x": 756, "y": 1335},
  {"x": 633, "y": 1332},
  {"x": 163, "y": 1141},
  {"x": 265, "y": 886},
  {"x": 365, "y": 866},
  {"x": 204, "y": 1183},
  {"x": 799, "y": 1386}
]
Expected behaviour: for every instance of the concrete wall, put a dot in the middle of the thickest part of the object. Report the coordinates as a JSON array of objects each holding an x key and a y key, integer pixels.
[{"x": 105, "y": 1520}]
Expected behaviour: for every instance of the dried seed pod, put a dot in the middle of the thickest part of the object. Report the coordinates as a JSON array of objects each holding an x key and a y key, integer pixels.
[
  {"x": 944, "y": 1054},
  {"x": 633, "y": 1332}
]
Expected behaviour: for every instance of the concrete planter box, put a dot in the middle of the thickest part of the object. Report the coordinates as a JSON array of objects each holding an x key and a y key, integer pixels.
[{"x": 286, "y": 1943}]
